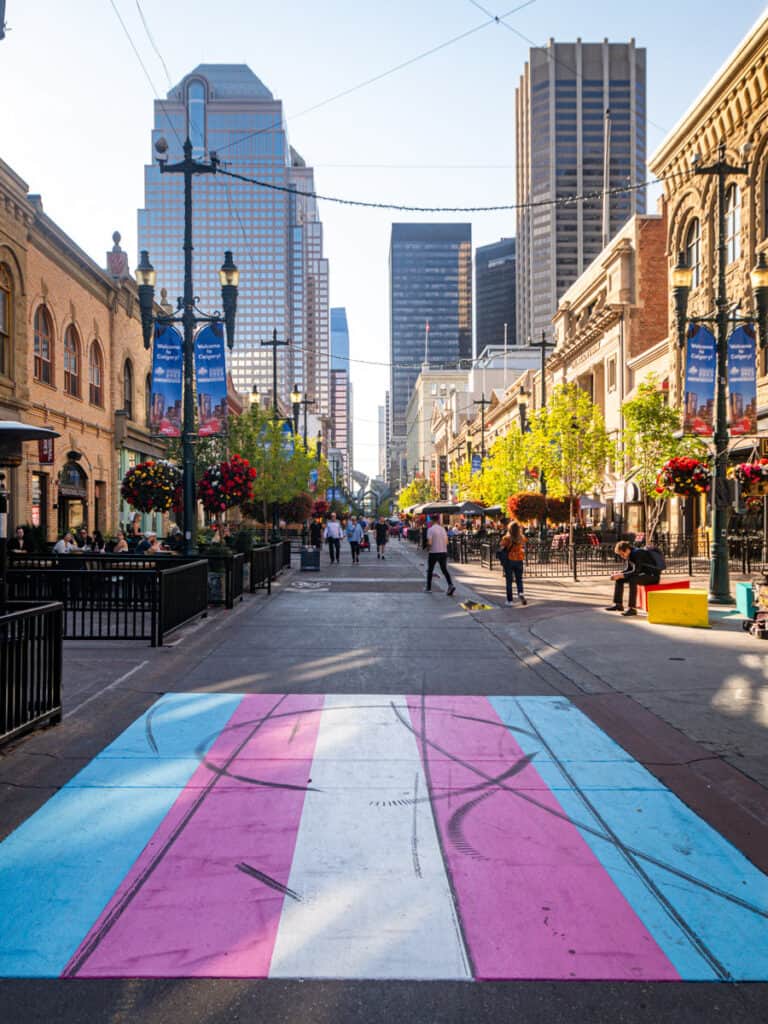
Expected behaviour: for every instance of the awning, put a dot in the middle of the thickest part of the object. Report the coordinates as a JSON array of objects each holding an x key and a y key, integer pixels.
[
  {"x": 590, "y": 503},
  {"x": 627, "y": 493}
]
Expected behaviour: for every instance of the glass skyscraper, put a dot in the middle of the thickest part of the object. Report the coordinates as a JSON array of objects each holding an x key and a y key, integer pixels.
[
  {"x": 275, "y": 234},
  {"x": 580, "y": 121},
  {"x": 341, "y": 389},
  {"x": 430, "y": 271}
]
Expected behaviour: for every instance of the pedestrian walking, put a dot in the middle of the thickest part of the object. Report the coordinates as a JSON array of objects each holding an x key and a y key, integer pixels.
[
  {"x": 437, "y": 545},
  {"x": 640, "y": 568},
  {"x": 316, "y": 533},
  {"x": 333, "y": 535},
  {"x": 382, "y": 536},
  {"x": 354, "y": 533},
  {"x": 512, "y": 556}
]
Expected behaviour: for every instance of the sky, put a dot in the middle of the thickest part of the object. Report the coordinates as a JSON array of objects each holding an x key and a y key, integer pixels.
[{"x": 76, "y": 113}]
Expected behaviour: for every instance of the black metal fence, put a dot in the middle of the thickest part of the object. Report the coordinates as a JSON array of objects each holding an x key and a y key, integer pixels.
[
  {"x": 115, "y": 597},
  {"x": 30, "y": 667},
  {"x": 261, "y": 569}
]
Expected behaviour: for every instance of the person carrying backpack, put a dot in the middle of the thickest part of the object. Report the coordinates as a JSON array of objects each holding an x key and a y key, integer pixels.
[
  {"x": 511, "y": 554},
  {"x": 641, "y": 568}
]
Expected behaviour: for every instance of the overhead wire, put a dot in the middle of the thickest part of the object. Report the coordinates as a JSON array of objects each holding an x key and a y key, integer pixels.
[
  {"x": 550, "y": 56},
  {"x": 496, "y": 208},
  {"x": 378, "y": 77}
]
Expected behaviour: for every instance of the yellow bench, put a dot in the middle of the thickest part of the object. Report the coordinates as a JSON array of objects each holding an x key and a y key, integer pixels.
[{"x": 678, "y": 607}]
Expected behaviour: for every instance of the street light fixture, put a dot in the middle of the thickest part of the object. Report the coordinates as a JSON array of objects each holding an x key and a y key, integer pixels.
[
  {"x": 189, "y": 317},
  {"x": 296, "y": 403},
  {"x": 682, "y": 279}
]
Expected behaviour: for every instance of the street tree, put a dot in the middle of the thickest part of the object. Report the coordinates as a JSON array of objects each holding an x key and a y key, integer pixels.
[
  {"x": 281, "y": 475},
  {"x": 650, "y": 426},
  {"x": 504, "y": 471},
  {"x": 417, "y": 492},
  {"x": 569, "y": 443}
]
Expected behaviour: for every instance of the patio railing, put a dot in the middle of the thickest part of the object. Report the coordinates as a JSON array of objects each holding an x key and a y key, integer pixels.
[{"x": 30, "y": 667}]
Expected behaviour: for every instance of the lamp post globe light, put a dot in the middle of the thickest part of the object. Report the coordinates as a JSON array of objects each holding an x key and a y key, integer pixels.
[
  {"x": 721, "y": 319},
  {"x": 296, "y": 404},
  {"x": 189, "y": 317}
]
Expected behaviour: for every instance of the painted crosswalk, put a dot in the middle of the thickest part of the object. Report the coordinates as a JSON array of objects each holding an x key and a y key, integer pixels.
[{"x": 277, "y": 835}]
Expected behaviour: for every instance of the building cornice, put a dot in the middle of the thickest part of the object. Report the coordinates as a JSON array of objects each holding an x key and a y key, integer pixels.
[{"x": 725, "y": 102}]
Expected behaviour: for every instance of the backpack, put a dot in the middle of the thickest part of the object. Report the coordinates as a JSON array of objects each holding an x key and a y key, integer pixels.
[{"x": 658, "y": 558}]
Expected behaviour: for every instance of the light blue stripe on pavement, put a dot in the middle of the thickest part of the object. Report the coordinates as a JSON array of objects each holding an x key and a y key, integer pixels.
[
  {"x": 649, "y": 818},
  {"x": 60, "y": 868}
]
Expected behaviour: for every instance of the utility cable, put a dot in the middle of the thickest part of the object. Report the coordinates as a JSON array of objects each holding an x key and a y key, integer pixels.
[
  {"x": 378, "y": 78},
  {"x": 499, "y": 207}
]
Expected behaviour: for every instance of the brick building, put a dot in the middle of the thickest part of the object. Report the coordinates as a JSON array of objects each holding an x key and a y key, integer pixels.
[{"x": 72, "y": 359}]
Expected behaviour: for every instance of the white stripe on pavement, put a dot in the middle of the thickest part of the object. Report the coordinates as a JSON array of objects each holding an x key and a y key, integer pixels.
[{"x": 373, "y": 897}]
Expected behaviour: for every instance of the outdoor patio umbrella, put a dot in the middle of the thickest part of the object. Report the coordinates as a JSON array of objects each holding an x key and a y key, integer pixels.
[{"x": 437, "y": 508}]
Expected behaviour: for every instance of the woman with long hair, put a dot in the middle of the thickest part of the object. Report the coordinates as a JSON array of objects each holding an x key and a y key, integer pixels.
[{"x": 512, "y": 554}]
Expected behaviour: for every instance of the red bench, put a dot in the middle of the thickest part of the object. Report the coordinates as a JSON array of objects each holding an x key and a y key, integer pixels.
[{"x": 642, "y": 601}]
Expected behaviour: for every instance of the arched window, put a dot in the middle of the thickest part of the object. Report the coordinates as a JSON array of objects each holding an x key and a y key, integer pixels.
[
  {"x": 196, "y": 117},
  {"x": 6, "y": 320},
  {"x": 732, "y": 223},
  {"x": 72, "y": 362},
  {"x": 148, "y": 399},
  {"x": 95, "y": 375},
  {"x": 128, "y": 388},
  {"x": 43, "y": 346},
  {"x": 693, "y": 250}
]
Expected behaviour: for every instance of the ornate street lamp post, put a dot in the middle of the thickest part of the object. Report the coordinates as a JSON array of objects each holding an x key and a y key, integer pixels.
[
  {"x": 721, "y": 319},
  {"x": 189, "y": 317}
]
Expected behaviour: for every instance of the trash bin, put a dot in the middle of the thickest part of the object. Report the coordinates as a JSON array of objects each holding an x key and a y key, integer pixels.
[{"x": 310, "y": 559}]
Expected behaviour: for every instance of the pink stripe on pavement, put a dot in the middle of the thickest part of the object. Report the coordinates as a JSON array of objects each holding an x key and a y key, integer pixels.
[
  {"x": 204, "y": 898},
  {"x": 533, "y": 899}
]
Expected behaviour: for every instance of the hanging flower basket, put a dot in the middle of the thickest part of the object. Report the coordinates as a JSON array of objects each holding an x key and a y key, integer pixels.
[
  {"x": 152, "y": 486},
  {"x": 684, "y": 476},
  {"x": 226, "y": 485},
  {"x": 753, "y": 477},
  {"x": 527, "y": 505}
]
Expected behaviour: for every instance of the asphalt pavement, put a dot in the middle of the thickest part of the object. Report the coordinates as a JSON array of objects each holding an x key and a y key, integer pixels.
[{"x": 648, "y": 741}]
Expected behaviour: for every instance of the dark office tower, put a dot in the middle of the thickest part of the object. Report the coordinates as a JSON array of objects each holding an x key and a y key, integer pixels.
[
  {"x": 274, "y": 233},
  {"x": 495, "y": 293},
  {"x": 580, "y": 123},
  {"x": 430, "y": 272}
]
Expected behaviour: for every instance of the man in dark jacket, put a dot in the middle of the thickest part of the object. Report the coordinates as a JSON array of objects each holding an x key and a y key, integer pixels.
[
  {"x": 640, "y": 568},
  {"x": 382, "y": 536}
]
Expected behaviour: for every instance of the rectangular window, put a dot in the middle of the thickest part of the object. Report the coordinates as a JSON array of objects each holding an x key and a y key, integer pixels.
[{"x": 612, "y": 373}]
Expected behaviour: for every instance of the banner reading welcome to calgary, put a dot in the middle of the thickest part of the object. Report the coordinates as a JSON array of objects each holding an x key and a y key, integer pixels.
[
  {"x": 700, "y": 362},
  {"x": 167, "y": 362},
  {"x": 211, "y": 373},
  {"x": 742, "y": 381}
]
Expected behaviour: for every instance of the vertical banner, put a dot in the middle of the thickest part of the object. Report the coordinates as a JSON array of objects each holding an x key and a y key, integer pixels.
[
  {"x": 443, "y": 478},
  {"x": 700, "y": 365},
  {"x": 211, "y": 374},
  {"x": 167, "y": 365},
  {"x": 477, "y": 464},
  {"x": 742, "y": 381},
  {"x": 45, "y": 451},
  {"x": 312, "y": 482}
]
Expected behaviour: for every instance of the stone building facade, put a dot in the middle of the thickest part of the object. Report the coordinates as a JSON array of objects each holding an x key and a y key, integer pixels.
[
  {"x": 731, "y": 110},
  {"x": 75, "y": 362}
]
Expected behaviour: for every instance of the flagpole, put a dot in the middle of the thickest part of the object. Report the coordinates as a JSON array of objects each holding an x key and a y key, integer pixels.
[{"x": 505, "y": 357}]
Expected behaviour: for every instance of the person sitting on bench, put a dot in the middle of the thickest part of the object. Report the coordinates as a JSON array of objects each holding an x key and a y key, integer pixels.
[{"x": 640, "y": 569}]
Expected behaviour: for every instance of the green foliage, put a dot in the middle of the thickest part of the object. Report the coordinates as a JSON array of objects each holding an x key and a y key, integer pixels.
[
  {"x": 569, "y": 442},
  {"x": 649, "y": 441},
  {"x": 279, "y": 478},
  {"x": 417, "y": 492},
  {"x": 504, "y": 469}
]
